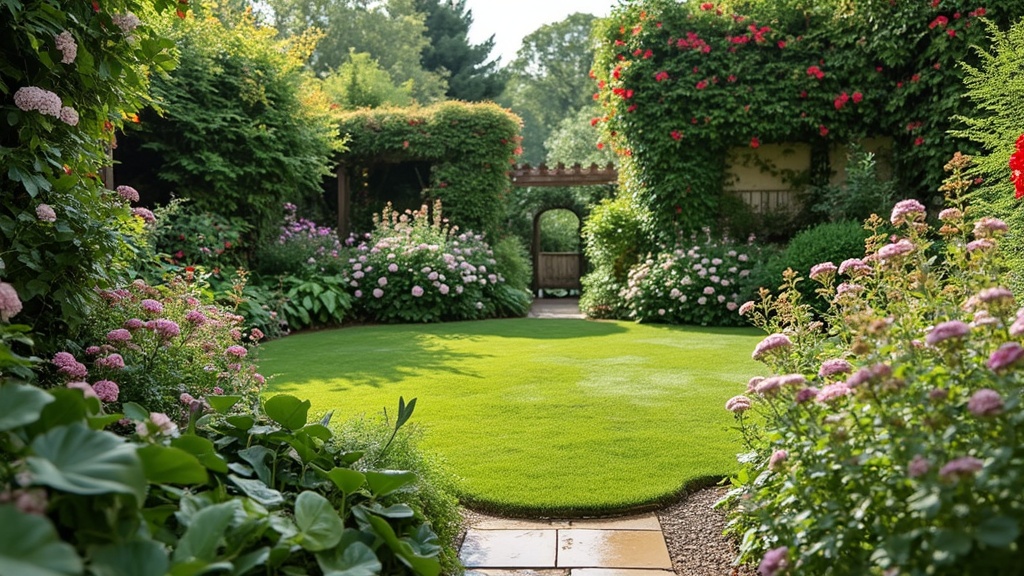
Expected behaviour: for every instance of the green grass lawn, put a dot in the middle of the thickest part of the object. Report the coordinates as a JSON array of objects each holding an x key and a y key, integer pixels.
[{"x": 539, "y": 415}]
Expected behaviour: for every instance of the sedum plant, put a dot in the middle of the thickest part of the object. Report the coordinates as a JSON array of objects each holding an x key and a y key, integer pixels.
[{"x": 884, "y": 438}]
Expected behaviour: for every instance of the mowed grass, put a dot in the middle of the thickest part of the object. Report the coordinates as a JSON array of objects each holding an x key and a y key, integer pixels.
[{"x": 539, "y": 415}]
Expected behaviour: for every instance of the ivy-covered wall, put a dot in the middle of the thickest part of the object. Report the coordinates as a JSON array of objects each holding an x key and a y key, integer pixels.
[
  {"x": 682, "y": 83},
  {"x": 470, "y": 148}
]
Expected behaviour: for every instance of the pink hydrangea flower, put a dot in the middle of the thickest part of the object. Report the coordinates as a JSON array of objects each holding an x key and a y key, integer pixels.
[
  {"x": 45, "y": 213},
  {"x": 106, "y": 390},
  {"x": 132, "y": 324},
  {"x": 119, "y": 335},
  {"x": 833, "y": 367},
  {"x": 823, "y": 270},
  {"x": 774, "y": 562},
  {"x": 904, "y": 209},
  {"x": 195, "y": 317},
  {"x": 128, "y": 193},
  {"x": 65, "y": 43},
  {"x": 112, "y": 362},
  {"x": 33, "y": 98},
  {"x": 152, "y": 306},
  {"x": 417, "y": 291},
  {"x": 256, "y": 334},
  {"x": 378, "y": 293},
  {"x": 1007, "y": 355},
  {"x": 985, "y": 402},
  {"x": 382, "y": 281},
  {"x": 166, "y": 329},
  {"x": 775, "y": 341},
  {"x": 777, "y": 460},
  {"x": 738, "y": 404},
  {"x": 10, "y": 304},
  {"x": 946, "y": 331},
  {"x": 963, "y": 467},
  {"x": 918, "y": 466},
  {"x": 68, "y": 365},
  {"x": 444, "y": 289},
  {"x": 392, "y": 267}
]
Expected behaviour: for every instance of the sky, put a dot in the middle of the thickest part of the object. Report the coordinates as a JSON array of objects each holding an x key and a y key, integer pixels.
[{"x": 510, "y": 20}]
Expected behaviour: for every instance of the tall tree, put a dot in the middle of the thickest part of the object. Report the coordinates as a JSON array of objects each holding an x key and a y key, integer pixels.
[
  {"x": 392, "y": 32},
  {"x": 549, "y": 79},
  {"x": 471, "y": 76}
]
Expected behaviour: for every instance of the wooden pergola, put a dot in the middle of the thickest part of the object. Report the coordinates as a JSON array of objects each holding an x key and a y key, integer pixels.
[{"x": 562, "y": 175}]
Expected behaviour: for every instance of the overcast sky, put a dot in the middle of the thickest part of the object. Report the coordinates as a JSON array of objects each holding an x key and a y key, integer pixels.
[{"x": 510, "y": 20}]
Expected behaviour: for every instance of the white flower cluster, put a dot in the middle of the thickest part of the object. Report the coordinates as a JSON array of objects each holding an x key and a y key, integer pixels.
[
  {"x": 30, "y": 98},
  {"x": 66, "y": 44},
  {"x": 69, "y": 116},
  {"x": 126, "y": 22}
]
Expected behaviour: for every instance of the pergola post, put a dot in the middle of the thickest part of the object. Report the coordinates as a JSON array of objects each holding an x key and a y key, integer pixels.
[{"x": 344, "y": 201}]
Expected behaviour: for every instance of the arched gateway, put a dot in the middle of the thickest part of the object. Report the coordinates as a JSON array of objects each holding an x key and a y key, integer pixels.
[{"x": 559, "y": 270}]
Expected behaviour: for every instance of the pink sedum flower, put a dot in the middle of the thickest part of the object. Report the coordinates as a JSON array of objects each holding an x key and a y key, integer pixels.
[
  {"x": 1005, "y": 356},
  {"x": 832, "y": 392},
  {"x": 773, "y": 342},
  {"x": 833, "y": 367},
  {"x": 738, "y": 404},
  {"x": 236, "y": 351},
  {"x": 918, "y": 466},
  {"x": 953, "y": 329},
  {"x": 985, "y": 402},
  {"x": 907, "y": 210},
  {"x": 128, "y": 193},
  {"x": 822, "y": 271}
]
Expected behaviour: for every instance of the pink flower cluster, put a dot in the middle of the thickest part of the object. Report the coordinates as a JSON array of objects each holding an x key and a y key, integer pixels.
[
  {"x": 10, "y": 304},
  {"x": 33, "y": 98},
  {"x": 773, "y": 342},
  {"x": 45, "y": 213},
  {"x": 65, "y": 43}
]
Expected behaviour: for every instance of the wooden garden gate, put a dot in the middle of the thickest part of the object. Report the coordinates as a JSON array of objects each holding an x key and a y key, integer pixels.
[{"x": 559, "y": 270}]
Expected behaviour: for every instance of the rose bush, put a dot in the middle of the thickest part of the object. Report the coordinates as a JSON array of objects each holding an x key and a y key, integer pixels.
[{"x": 886, "y": 436}]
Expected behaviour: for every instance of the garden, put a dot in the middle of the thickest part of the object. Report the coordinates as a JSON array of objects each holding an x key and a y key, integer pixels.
[{"x": 287, "y": 332}]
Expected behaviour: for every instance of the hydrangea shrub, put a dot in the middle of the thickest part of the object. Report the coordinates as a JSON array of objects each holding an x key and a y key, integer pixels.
[{"x": 885, "y": 435}]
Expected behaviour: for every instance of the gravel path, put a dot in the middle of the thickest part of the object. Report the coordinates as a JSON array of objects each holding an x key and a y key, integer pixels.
[{"x": 693, "y": 532}]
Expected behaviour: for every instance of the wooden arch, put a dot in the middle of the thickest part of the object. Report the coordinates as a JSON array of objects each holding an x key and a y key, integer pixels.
[{"x": 561, "y": 175}]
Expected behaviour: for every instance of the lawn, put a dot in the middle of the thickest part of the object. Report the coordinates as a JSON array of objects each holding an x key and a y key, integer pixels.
[{"x": 537, "y": 415}]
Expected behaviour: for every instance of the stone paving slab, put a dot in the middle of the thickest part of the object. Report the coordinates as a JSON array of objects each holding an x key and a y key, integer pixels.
[
  {"x": 641, "y": 522},
  {"x": 612, "y": 549},
  {"x": 618, "y": 572},
  {"x": 509, "y": 549},
  {"x": 521, "y": 572}
]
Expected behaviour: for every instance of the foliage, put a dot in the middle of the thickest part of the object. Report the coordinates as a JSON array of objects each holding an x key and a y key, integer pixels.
[
  {"x": 470, "y": 147},
  {"x": 360, "y": 82},
  {"x": 392, "y": 32},
  {"x": 831, "y": 241},
  {"x": 861, "y": 195},
  {"x": 415, "y": 267},
  {"x": 548, "y": 80},
  {"x": 158, "y": 345},
  {"x": 513, "y": 259},
  {"x": 994, "y": 123},
  {"x": 315, "y": 302},
  {"x": 559, "y": 231},
  {"x": 704, "y": 78},
  {"x": 302, "y": 248},
  {"x": 185, "y": 236},
  {"x": 61, "y": 232},
  {"x": 470, "y": 75},
  {"x": 242, "y": 128},
  {"x": 703, "y": 283},
  {"x": 574, "y": 141},
  {"x": 600, "y": 298},
  {"x": 888, "y": 442},
  {"x": 613, "y": 241}
]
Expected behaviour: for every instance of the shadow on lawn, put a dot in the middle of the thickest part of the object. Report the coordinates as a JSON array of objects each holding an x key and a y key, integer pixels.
[{"x": 380, "y": 355}]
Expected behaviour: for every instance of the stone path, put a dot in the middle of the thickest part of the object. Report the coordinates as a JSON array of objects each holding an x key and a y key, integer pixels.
[
  {"x": 555, "y": 308},
  {"x": 633, "y": 546}
]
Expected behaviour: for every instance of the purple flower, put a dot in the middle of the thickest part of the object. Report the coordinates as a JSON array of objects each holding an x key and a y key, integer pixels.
[
  {"x": 106, "y": 390},
  {"x": 195, "y": 317},
  {"x": 918, "y": 466},
  {"x": 392, "y": 267},
  {"x": 823, "y": 270},
  {"x": 152, "y": 306},
  {"x": 854, "y": 267},
  {"x": 131, "y": 324},
  {"x": 45, "y": 213},
  {"x": 774, "y": 562},
  {"x": 259, "y": 379},
  {"x": 738, "y": 404},
  {"x": 987, "y": 227},
  {"x": 378, "y": 293},
  {"x": 443, "y": 289},
  {"x": 950, "y": 214},
  {"x": 772, "y": 342},
  {"x": 833, "y": 367},
  {"x": 417, "y": 291},
  {"x": 905, "y": 208},
  {"x": 997, "y": 294},
  {"x": 896, "y": 249},
  {"x": 806, "y": 395},
  {"x": 1007, "y": 355},
  {"x": 709, "y": 290},
  {"x": 10, "y": 304},
  {"x": 236, "y": 351},
  {"x": 166, "y": 329},
  {"x": 777, "y": 460},
  {"x": 848, "y": 289},
  {"x": 832, "y": 392},
  {"x": 985, "y": 402},
  {"x": 69, "y": 116},
  {"x": 946, "y": 331},
  {"x": 382, "y": 281},
  {"x": 147, "y": 215},
  {"x": 1017, "y": 328},
  {"x": 963, "y": 467},
  {"x": 980, "y": 244},
  {"x": 186, "y": 399},
  {"x": 128, "y": 193},
  {"x": 113, "y": 362}
]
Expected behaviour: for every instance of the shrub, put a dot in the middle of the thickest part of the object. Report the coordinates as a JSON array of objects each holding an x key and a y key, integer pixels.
[
  {"x": 702, "y": 284},
  {"x": 416, "y": 268},
  {"x": 862, "y": 195},
  {"x": 886, "y": 441},
  {"x": 183, "y": 235},
  {"x": 158, "y": 345},
  {"x": 614, "y": 238},
  {"x": 513, "y": 259},
  {"x": 601, "y": 296},
  {"x": 832, "y": 241},
  {"x": 302, "y": 248},
  {"x": 323, "y": 301}
]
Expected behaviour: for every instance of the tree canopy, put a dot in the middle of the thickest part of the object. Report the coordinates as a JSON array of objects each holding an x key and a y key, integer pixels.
[{"x": 471, "y": 76}]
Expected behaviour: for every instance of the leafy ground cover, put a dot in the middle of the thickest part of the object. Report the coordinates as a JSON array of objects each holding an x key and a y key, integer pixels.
[{"x": 540, "y": 416}]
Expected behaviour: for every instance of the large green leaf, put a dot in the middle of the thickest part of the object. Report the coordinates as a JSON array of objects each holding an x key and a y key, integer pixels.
[
  {"x": 346, "y": 479},
  {"x": 169, "y": 465},
  {"x": 205, "y": 533},
  {"x": 258, "y": 491},
  {"x": 222, "y": 404},
  {"x": 288, "y": 411},
  {"x": 320, "y": 527},
  {"x": 356, "y": 559},
  {"x": 30, "y": 546},
  {"x": 422, "y": 565},
  {"x": 388, "y": 481},
  {"x": 79, "y": 460},
  {"x": 22, "y": 404},
  {"x": 256, "y": 456},
  {"x": 138, "y": 558},
  {"x": 998, "y": 531},
  {"x": 68, "y": 406},
  {"x": 202, "y": 449}
]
